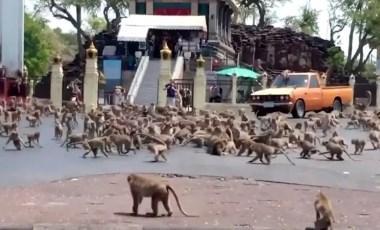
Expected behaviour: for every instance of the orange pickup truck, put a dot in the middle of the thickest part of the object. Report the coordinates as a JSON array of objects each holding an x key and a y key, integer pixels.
[{"x": 299, "y": 93}]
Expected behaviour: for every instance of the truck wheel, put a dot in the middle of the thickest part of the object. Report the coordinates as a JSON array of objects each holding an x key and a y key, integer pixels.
[
  {"x": 299, "y": 109},
  {"x": 337, "y": 105}
]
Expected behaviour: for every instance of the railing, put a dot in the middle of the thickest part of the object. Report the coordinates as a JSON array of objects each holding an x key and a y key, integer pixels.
[
  {"x": 178, "y": 68},
  {"x": 137, "y": 79},
  {"x": 224, "y": 89}
]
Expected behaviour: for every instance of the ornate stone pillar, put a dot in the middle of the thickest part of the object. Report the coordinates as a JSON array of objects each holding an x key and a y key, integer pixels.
[
  {"x": 199, "y": 93},
  {"x": 378, "y": 92},
  {"x": 213, "y": 20},
  {"x": 91, "y": 79},
  {"x": 225, "y": 23},
  {"x": 56, "y": 82},
  {"x": 264, "y": 80},
  {"x": 352, "y": 84},
  {"x": 234, "y": 89},
  {"x": 31, "y": 89},
  {"x": 220, "y": 18},
  {"x": 165, "y": 74}
]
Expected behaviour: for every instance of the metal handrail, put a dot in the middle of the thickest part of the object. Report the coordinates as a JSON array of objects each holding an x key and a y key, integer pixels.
[{"x": 137, "y": 79}]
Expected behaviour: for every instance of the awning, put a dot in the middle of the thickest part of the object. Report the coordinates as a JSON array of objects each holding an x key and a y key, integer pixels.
[
  {"x": 129, "y": 33},
  {"x": 166, "y": 22}
]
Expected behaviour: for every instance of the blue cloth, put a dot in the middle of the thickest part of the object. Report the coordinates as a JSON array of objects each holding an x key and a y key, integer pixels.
[{"x": 170, "y": 92}]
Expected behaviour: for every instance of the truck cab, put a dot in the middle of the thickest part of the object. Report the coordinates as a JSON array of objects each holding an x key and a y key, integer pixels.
[{"x": 298, "y": 93}]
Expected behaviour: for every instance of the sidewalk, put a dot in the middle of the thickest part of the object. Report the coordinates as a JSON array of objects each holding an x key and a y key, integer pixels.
[{"x": 226, "y": 203}]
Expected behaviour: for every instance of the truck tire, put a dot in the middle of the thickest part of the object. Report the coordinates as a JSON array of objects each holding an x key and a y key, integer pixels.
[
  {"x": 337, "y": 105},
  {"x": 299, "y": 109}
]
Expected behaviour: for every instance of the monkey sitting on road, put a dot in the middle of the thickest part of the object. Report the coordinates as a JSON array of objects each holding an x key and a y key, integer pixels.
[
  {"x": 17, "y": 141},
  {"x": 158, "y": 191},
  {"x": 359, "y": 145},
  {"x": 33, "y": 138}
]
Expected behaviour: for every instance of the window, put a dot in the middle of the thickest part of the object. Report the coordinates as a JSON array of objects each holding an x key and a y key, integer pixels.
[
  {"x": 314, "y": 82},
  {"x": 294, "y": 80}
]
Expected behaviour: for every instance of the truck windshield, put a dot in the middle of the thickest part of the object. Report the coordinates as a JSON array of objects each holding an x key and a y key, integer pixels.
[{"x": 297, "y": 81}]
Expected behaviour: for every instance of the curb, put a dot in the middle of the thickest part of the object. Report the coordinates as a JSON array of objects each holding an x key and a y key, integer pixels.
[
  {"x": 47, "y": 226},
  {"x": 87, "y": 227},
  {"x": 16, "y": 227}
]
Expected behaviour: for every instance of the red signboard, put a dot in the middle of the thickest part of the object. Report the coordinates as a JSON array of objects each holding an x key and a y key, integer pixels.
[{"x": 172, "y": 11}]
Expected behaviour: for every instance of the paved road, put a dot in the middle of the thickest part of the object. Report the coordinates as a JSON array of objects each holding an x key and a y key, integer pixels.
[{"x": 53, "y": 163}]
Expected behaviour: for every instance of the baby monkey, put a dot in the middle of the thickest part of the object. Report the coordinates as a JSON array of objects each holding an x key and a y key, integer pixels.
[{"x": 359, "y": 145}]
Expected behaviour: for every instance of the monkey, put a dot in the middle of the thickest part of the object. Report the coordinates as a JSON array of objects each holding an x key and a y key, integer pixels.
[
  {"x": 92, "y": 145},
  {"x": 17, "y": 141},
  {"x": 8, "y": 127},
  {"x": 374, "y": 137},
  {"x": 310, "y": 126},
  {"x": 89, "y": 126},
  {"x": 218, "y": 147},
  {"x": 353, "y": 123},
  {"x": 335, "y": 149},
  {"x": 16, "y": 116},
  {"x": 145, "y": 187},
  {"x": 69, "y": 125},
  {"x": 298, "y": 126},
  {"x": 121, "y": 140},
  {"x": 58, "y": 130},
  {"x": 159, "y": 148},
  {"x": 37, "y": 115},
  {"x": 267, "y": 151},
  {"x": 279, "y": 143},
  {"x": 32, "y": 120},
  {"x": 33, "y": 138},
  {"x": 245, "y": 144},
  {"x": 338, "y": 140},
  {"x": 74, "y": 116},
  {"x": 312, "y": 137},
  {"x": 307, "y": 149},
  {"x": 73, "y": 139},
  {"x": 323, "y": 211},
  {"x": 359, "y": 145}
]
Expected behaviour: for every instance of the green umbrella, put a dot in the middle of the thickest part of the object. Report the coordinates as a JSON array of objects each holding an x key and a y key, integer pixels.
[{"x": 240, "y": 72}]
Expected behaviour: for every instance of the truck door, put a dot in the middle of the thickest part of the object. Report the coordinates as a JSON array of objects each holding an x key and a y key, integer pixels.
[{"x": 314, "y": 94}]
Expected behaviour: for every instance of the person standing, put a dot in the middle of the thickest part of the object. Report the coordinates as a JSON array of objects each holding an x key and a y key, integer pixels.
[{"x": 170, "y": 93}]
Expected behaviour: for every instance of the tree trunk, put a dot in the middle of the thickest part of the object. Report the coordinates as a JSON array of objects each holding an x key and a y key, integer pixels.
[
  {"x": 106, "y": 17},
  {"x": 261, "y": 10},
  {"x": 78, "y": 10}
]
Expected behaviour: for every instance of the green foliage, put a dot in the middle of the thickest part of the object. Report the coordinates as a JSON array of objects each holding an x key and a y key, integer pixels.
[
  {"x": 307, "y": 22},
  {"x": 336, "y": 57},
  {"x": 38, "y": 48},
  {"x": 96, "y": 24}
]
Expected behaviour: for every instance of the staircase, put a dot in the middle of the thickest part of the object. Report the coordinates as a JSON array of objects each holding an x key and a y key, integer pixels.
[{"x": 147, "y": 93}]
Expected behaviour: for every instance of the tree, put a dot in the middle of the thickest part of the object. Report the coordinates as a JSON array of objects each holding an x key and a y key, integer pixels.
[
  {"x": 118, "y": 7},
  {"x": 96, "y": 24},
  {"x": 61, "y": 9},
  {"x": 38, "y": 50},
  {"x": 338, "y": 20},
  {"x": 245, "y": 13},
  {"x": 262, "y": 7},
  {"x": 364, "y": 20},
  {"x": 307, "y": 22}
]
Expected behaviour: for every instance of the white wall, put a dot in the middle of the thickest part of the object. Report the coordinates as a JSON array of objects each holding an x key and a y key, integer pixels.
[{"x": 12, "y": 35}]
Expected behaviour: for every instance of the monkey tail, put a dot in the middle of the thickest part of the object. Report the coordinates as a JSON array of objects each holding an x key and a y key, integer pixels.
[
  {"x": 230, "y": 134},
  {"x": 348, "y": 155},
  {"x": 287, "y": 157},
  {"x": 169, "y": 188},
  {"x": 187, "y": 141}
]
